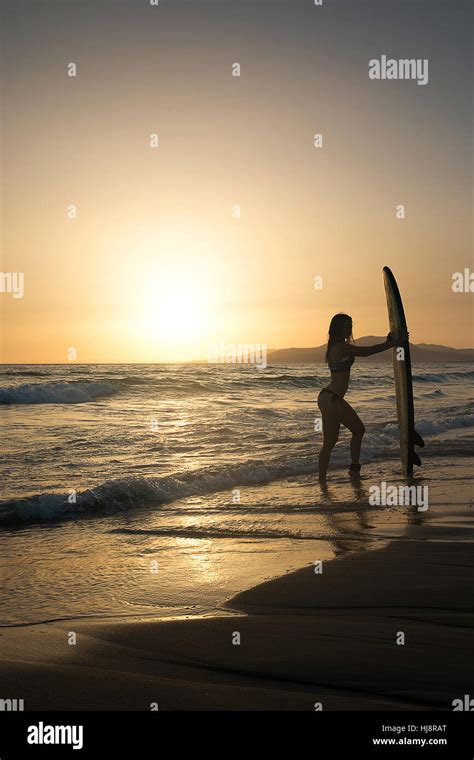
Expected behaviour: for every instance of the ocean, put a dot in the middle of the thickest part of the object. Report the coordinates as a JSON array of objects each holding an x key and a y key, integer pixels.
[{"x": 165, "y": 489}]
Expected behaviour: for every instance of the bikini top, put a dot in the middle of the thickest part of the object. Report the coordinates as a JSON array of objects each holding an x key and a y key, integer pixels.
[{"x": 342, "y": 365}]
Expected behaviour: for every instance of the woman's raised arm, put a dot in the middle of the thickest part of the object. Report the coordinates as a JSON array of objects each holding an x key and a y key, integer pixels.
[{"x": 391, "y": 341}]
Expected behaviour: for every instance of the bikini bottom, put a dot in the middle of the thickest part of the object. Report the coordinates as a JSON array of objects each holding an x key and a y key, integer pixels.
[{"x": 334, "y": 395}]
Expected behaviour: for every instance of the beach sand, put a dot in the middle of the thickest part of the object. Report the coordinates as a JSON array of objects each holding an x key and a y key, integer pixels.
[{"x": 305, "y": 638}]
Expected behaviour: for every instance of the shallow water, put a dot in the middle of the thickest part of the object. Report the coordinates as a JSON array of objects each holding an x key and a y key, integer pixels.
[{"x": 194, "y": 482}]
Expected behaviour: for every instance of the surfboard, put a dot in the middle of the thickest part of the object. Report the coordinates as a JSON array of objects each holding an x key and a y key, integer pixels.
[{"x": 403, "y": 377}]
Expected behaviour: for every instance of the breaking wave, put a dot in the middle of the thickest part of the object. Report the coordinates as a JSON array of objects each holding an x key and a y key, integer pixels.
[
  {"x": 129, "y": 493},
  {"x": 71, "y": 392}
]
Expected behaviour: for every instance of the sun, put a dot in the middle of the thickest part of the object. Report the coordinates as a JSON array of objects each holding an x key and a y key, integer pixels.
[
  {"x": 176, "y": 315},
  {"x": 174, "y": 296}
]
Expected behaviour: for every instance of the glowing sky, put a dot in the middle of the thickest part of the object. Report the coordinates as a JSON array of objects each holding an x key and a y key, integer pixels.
[{"x": 154, "y": 267}]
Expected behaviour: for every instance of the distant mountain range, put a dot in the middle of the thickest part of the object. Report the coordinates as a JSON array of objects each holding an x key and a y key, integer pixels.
[{"x": 421, "y": 353}]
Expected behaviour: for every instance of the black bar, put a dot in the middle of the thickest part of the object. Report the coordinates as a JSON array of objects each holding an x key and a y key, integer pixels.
[{"x": 313, "y": 734}]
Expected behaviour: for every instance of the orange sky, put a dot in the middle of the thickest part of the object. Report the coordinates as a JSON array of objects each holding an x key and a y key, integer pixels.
[{"x": 155, "y": 268}]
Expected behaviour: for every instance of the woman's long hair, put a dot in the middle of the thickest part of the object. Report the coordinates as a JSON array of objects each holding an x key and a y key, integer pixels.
[{"x": 336, "y": 330}]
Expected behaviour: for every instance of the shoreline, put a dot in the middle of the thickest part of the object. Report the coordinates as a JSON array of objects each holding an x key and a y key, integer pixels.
[{"x": 305, "y": 638}]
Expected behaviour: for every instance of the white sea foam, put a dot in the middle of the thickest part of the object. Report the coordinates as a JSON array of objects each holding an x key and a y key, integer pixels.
[{"x": 72, "y": 392}]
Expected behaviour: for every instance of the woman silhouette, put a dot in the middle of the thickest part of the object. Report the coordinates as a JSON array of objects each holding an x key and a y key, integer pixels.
[{"x": 335, "y": 410}]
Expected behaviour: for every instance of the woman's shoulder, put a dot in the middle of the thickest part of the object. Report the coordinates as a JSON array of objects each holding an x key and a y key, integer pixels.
[{"x": 340, "y": 350}]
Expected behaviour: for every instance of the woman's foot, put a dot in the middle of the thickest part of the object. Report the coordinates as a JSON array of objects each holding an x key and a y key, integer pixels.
[{"x": 354, "y": 470}]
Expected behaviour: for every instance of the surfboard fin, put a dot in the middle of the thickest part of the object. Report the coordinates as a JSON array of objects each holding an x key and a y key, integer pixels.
[
  {"x": 418, "y": 440},
  {"x": 415, "y": 459}
]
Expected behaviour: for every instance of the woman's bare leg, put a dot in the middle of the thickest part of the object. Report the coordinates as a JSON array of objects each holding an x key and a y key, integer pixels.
[
  {"x": 331, "y": 415},
  {"x": 351, "y": 420}
]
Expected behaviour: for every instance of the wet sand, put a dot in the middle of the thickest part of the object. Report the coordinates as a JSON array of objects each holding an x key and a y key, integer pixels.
[{"x": 305, "y": 638}]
